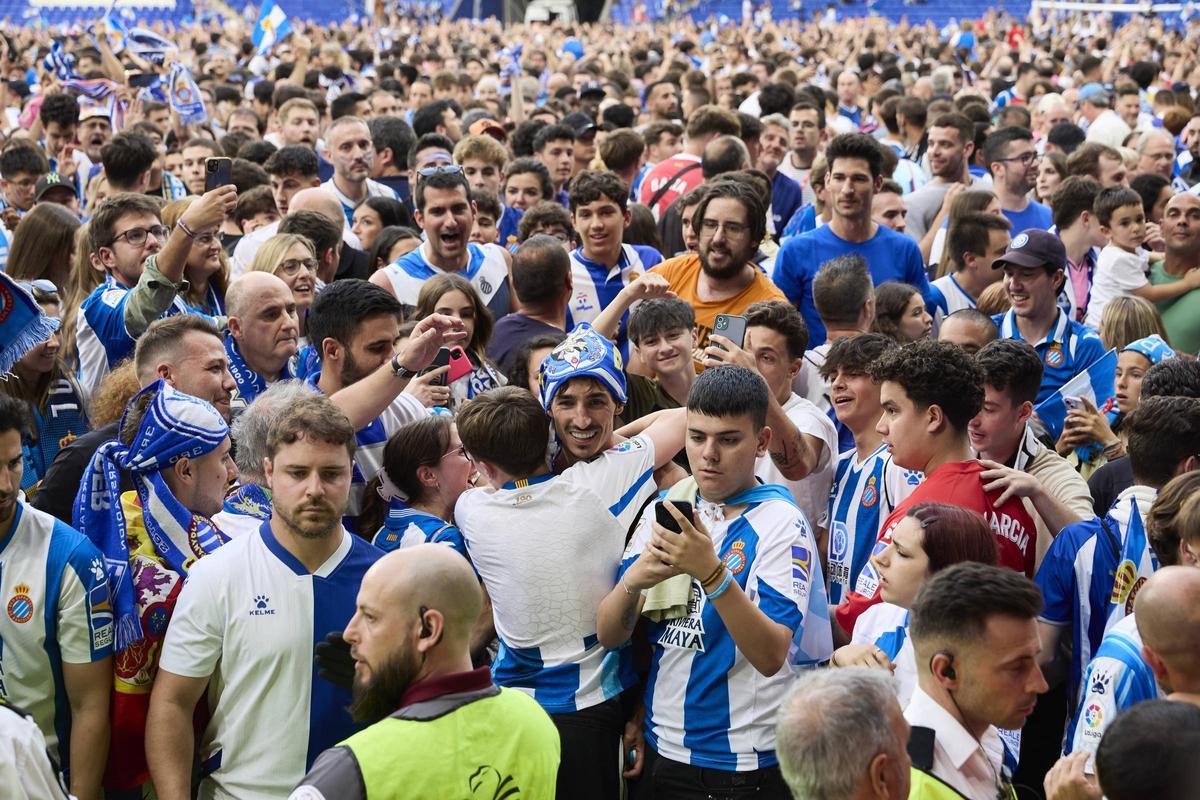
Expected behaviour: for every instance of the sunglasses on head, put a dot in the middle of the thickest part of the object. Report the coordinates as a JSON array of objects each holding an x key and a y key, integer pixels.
[{"x": 440, "y": 169}]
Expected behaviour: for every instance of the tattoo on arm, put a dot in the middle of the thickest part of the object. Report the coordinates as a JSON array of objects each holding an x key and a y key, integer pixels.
[
  {"x": 629, "y": 617},
  {"x": 789, "y": 453}
]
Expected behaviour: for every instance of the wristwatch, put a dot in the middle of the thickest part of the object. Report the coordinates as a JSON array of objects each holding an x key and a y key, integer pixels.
[{"x": 401, "y": 371}]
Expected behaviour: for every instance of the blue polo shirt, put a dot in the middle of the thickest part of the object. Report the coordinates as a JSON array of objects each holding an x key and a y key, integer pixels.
[{"x": 1067, "y": 350}]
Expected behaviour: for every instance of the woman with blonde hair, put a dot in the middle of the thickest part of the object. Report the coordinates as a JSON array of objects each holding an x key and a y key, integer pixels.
[
  {"x": 86, "y": 274},
  {"x": 43, "y": 245},
  {"x": 454, "y": 296},
  {"x": 207, "y": 269},
  {"x": 293, "y": 259},
  {"x": 1127, "y": 318}
]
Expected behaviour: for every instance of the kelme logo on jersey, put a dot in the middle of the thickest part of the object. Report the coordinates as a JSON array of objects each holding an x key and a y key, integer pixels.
[
  {"x": 20, "y": 607},
  {"x": 262, "y": 606}
]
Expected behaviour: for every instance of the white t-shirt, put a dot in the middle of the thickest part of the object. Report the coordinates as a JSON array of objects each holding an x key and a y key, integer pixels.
[
  {"x": 249, "y": 616},
  {"x": 547, "y": 550},
  {"x": 1118, "y": 272},
  {"x": 811, "y": 493}
]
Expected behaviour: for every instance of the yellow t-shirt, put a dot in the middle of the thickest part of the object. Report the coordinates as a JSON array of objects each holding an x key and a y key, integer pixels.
[{"x": 682, "y": 272}]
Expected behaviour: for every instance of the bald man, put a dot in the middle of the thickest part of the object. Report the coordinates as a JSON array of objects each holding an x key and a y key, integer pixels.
[
  {"x": 440, "y": 728},
  {"x": 263, "y": 335},
  {"x": 1168, "y": 619},
  {"x": 969, "y": 329},
  {"x": 314, "y": 198}
]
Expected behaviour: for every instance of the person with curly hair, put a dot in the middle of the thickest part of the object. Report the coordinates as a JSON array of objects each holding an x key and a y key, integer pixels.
[{"x": 930, "y": 391}]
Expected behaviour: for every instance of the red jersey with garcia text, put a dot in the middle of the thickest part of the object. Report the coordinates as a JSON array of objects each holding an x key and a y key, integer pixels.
[
  {"x": 670, "y": 173},
  {"x": 956, "y": 483}
]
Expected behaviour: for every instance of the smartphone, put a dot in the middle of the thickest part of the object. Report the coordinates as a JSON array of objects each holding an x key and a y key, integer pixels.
[
  {"x": 663, "y": 517},
  {"x": 142, "y": 79},
  {"x": 732, "y": 327},
  {"x": 460, "y": 364},
  {"x": 218, "y": 172},
  {"x": 1072, "y": 403},
  {"x": 442, "y": 359}
]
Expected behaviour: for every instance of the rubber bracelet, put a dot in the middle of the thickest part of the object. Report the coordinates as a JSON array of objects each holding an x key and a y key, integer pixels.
[
  {"x": 724, "y": 587},
  {"x": 714, "y": 574},
  {"x": 188, "y": 232}
]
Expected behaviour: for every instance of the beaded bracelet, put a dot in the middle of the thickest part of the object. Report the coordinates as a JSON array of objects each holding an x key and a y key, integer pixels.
[
  {"x": 188, "y": 232},
  {"x": 724, "y": 587}
]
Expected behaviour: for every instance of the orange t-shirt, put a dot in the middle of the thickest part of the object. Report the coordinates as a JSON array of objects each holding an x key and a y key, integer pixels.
[{"x": 682, "y": 272}]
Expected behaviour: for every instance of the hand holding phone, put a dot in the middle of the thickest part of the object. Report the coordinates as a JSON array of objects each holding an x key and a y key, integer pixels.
[
  {"x": 218, "y": 172},
  {"x": 663, "y": 517},
  {"x": 732, "y": 327}
]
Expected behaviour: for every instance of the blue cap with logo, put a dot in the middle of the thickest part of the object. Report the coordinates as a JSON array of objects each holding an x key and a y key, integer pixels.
[
  {"x": 1152, "y": 347},
  {"x": 1034, "y": 247},
  {"x": 583, "y": 354}
]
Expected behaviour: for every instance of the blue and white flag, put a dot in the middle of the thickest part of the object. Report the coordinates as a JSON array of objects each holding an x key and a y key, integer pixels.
[
  {"x": 61, "y": 63},
  {"x": 273, "y": 25},
  {"x": 1095, "y": 383},
  {"x": 1137, "y": 564},
  {"x": 148, "y": 45},
  {"x": 184, "y": 96}
]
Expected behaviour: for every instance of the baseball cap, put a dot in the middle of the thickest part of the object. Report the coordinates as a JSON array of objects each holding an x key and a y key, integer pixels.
[
  {"x": 593, "y": 89},
  {"x": 583, "y": 354},
  {"x": 1034, "y": 247},
  {"x": 90, "y": 108},
  {"x": 51, "y": 180},
  {"x": 1094, "y": 93},
  {"x": 580, "y": 122},
  {"x": 489, "y": 127}
]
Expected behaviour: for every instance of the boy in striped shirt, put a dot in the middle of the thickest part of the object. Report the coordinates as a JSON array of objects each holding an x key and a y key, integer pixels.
[
  {"x": 755, "y": 611},
  {"x": 867, "y": 485}
]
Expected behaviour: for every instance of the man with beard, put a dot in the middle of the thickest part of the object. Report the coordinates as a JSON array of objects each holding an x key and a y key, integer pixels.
[
  {"x": 446, "y": 213},
  {"x": 855, "y": 175},
  {"x": 247, "y": 624},
  {"x": 1013, "y": 160},
  {"x": 722, "y": 278},
  {"x": 348, "y": 146},
  {"x": 774, "y": 150},
  {"x": 951, "y": 148},
  {"x": 436, "y": 720}
]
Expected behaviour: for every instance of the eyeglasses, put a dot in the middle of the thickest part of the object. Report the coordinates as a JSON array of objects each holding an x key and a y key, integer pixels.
[
  {"x": 734, "y": 230},
  {"x": 293, "y": 265},
  {"x": 460, "y": 450},
  {"x": 1025, "y": 158},
  {"x": 136, "y": 237},
  {"x": 440, "y": 169}
]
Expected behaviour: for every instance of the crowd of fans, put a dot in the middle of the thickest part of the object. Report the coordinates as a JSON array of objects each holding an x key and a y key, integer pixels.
[{"x": 441, "y": 409}]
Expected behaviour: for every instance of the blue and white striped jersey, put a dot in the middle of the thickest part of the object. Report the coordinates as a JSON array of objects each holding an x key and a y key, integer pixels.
[
  {"x": 595, "y": 285},
  {"x": 54, "y": 591},
  {"x": 249, "y": 616},
  {"x": 374, "y": 189},
  {"x": 886, "y": 626},
  {"x": 863, "y": 496},
  {"x": 1079, "y": 572},
  {"x": 547, "y": 550},
  {"x": 1117, "y": 678},
  {"x": 706, "y": 705},
  {"x": 487, "y": 270},
  {"x": 406, "y": 527},
  {"x": 945, "y": 297}
]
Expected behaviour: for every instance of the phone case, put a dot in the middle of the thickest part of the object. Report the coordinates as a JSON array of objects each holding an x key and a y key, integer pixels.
[{"x": 460, "y": 365}]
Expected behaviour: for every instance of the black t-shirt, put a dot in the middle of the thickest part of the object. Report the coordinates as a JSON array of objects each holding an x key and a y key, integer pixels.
[
  {"x": 1109, "y": 481},
  {"x": 510, "y": 331}
]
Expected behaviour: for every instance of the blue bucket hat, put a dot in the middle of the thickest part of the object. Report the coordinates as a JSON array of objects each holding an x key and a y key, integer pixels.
[
  {"x": 1153, "y": 348},
  {"x": 583, "y": 354}
]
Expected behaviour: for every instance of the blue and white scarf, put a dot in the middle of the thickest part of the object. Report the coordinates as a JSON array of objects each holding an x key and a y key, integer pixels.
[
  {"x": 60, "y": 63},
  {"x": 23, "y": 324},
  {"x": 175, "y": 426},
  {"x": 249, "y": 383},
  {"x": 249, "y": 500}
]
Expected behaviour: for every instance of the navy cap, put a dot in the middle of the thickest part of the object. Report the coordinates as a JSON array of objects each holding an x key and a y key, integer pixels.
[{"x": 1034, "y": 247}]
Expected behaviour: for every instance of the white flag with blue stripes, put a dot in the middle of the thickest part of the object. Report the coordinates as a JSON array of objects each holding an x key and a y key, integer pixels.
[
  {"x": 1095, "y": 383},
  {"x": 273, "y": 24}
]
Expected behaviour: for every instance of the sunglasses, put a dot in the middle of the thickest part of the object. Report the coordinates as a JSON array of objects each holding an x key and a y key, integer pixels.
[{"x": 440, "y": 169}]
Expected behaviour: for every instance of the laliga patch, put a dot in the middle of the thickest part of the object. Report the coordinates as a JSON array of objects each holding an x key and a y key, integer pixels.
[
  {"x": 629, "y": 446},
  {"x": 113, "y": 297}
]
